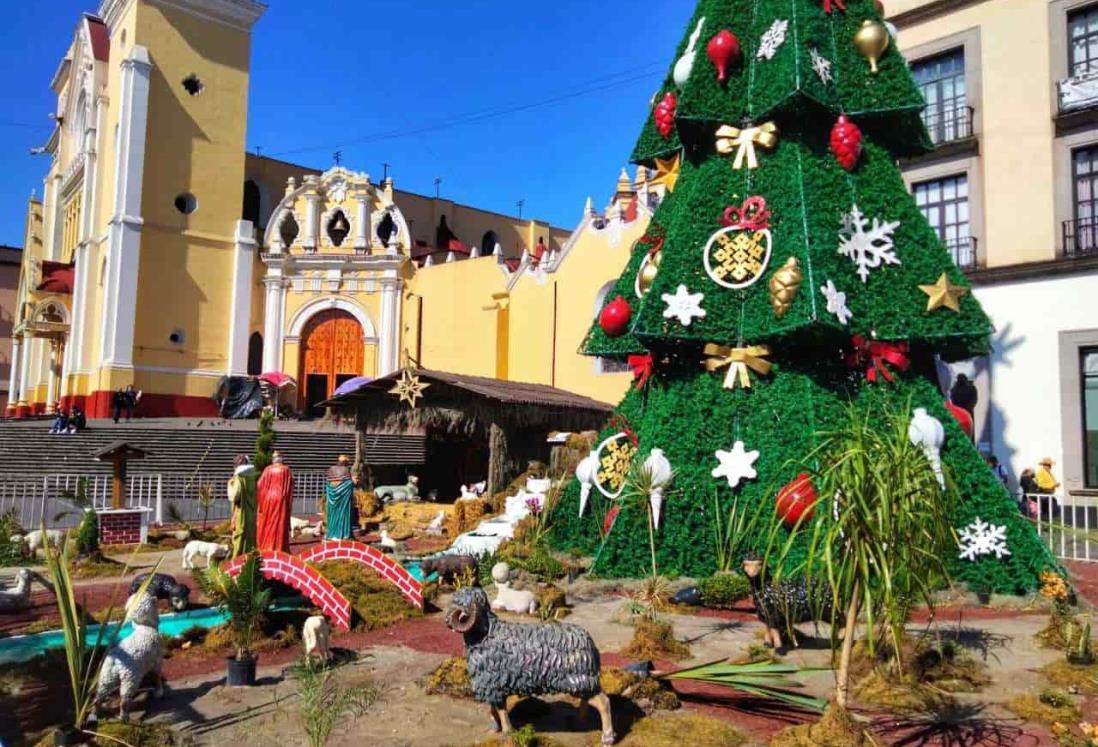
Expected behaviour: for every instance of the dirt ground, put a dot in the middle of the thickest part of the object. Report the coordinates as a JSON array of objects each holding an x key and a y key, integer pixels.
[{"x": 395, "y": 658}]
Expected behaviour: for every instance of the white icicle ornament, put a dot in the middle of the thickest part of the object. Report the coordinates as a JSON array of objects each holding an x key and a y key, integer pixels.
[
  {"x": 926, "y": 432},
  {"x": 685, "y": 64},
  {"x": 660, "y": 469},
  {"x": 585, "y": 473}
]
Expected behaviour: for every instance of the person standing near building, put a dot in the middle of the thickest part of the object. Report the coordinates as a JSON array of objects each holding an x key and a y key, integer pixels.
[
  {"x": 118, "y": 401},
  {"x": 131, "y": 398},
  {"x": 339, "y": 492},
  {"x": 1046, "y": 481},
  {"x": 1029, "y": 499},
  {"x": 276, "y": 498},
  {"x": 997, "y": 468},
  {"x": 964, "y": 394},
  {"x": 241, "y": 491}
]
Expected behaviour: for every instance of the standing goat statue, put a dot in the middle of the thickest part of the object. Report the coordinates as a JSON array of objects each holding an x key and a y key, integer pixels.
[
  {"x": 507, "y": 658},
  {"x": 780, "y": 605}
]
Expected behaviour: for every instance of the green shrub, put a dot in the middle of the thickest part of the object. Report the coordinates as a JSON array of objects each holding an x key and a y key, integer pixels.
[
  {"x": 10, "y": 552},
  {"x": 87, "y": 535},
  {"x": 539, "y": 562},
  {"x": 723, "y": 590}
]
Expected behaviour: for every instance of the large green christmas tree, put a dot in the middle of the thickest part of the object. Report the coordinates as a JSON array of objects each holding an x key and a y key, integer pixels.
[{"x": 788, "y": 275}]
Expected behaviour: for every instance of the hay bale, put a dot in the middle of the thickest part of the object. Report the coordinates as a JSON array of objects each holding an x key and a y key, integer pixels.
[
  {"x": 1082, "y": 677},
  {"x": 451, "y": 677},
  {"x": 1048, "y": 708},
  {"x": 465, "y": 516},
  {"x": 679, "y": 729},
  {"x": 368, "y": 505},
  {"x": 835, "y": 729},
  {"x": 655, "y": 639}
]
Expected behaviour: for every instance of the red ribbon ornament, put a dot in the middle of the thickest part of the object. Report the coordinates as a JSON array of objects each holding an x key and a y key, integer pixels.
[
  {"x": 642, "y": 366},
  {"x": 840, "y": 4},
  {"x": 752, "y": 215},
  {"x": 622, "y": 425},
  {"x": 879, "y": 358}
]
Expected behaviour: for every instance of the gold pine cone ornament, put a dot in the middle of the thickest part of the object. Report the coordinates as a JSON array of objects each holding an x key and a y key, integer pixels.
[{"x": 784, "y": 285}]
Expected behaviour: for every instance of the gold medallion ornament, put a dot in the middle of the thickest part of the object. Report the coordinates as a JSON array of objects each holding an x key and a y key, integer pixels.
[
  {"x": 943, "y": 293},
  {"x": 615, "y": 457},
  {"x": 409, "y": 388},
  {"x": 736, "y": 256},
  {"x": 738, "y": 361},
  {"x": 646, "y": 275},
  {"x": 742, "y": 142},
  {"x": 784, "y": 285}
]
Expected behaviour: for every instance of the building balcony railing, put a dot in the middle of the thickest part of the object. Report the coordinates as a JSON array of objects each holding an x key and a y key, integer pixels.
[
  {"x": 948, "y": 125},
  {"x": 963, "y": 252},
  {"x": 1078, "y": 92},
  {"x": 1080, "y": 237}
]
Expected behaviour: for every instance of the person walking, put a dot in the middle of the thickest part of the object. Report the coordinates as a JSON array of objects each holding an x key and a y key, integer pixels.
[
  {"x": 118, "y": 400},
  {"x": 1046, "y": 481},
  {"x": 132, "y": 397}
]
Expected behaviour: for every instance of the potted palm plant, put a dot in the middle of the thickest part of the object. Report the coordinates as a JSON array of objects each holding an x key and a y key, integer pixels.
[{"x": 245, "y": 600}]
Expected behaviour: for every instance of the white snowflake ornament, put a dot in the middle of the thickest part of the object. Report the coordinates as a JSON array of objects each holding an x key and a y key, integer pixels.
[
  {"x": 736, "y": 465},
  {"x": 836, "y": 302},
  {"x": 683, "y": 305},
  {"x": 772, "y": 40},
  {"x": 980, "y": 538},
  {"x": 867, "y": 246},
  {"x": 821, "y": 65}
]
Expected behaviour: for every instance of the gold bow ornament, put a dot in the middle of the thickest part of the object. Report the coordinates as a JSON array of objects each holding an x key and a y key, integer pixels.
[
  {"x": 743, "y": 142},
  {"x": 738, "y": 361}
]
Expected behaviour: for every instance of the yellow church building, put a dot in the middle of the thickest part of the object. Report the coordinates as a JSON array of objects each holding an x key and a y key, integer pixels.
[{"x": 163, "y": 255}]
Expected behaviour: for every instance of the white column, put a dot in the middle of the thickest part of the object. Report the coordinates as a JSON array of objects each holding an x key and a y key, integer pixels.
[
  {"x": 124, "y": 232},
  {"x": 13, "y": 375},
  {"x": 52, "y": 374},
  {"x": 388, "y": 348},
  {"x": 311, "y": 237},
  {"x": 24, "y": 370},
  {"x": 362, "y": 222},
  {"x": 272, "y": 323},
  {"x": 241, "y": 311},
  {"x": 74, "y": 351}
]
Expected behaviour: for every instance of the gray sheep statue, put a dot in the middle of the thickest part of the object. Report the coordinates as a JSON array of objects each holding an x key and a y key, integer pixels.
[
  {"x": 507, "y": 658},
  {"x": 449, "y": 567},
  {"x": 780, "y": 605}
]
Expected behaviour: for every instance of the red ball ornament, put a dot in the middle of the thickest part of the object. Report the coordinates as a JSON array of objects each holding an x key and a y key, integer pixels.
[
  {"x": 665, "y": 114},
  {"x": 796, "y": 501},
  {"x": 962, "y": 417},
  {"x": 724, "y": 48},
  {"x": 614, "y": 317},
  {"x": 846, "y": 142}
]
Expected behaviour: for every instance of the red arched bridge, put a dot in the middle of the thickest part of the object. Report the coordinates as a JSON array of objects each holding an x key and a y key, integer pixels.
[{"x": 297, "y": 571}]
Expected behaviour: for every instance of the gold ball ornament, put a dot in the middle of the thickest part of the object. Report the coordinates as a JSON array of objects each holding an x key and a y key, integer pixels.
[
  {"x": 646, "y": 275},
  {"x": 871, "y": 41},
  {"x": 784, "y": 285}
]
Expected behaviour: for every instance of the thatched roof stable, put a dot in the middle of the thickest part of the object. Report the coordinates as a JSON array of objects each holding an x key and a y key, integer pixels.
[{"x": 467, "y": 405}]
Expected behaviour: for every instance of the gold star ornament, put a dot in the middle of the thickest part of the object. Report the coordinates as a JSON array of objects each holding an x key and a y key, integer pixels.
[
  {"x": 943, "y": 293},
  {"x": 409, "y": 388},
  {"x": 667, "y": 172}
]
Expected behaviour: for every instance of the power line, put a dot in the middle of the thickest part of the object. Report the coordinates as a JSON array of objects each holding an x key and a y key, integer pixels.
[{"x": 486, "y": 114}]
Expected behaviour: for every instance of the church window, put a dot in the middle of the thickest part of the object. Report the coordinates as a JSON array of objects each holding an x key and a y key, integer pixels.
[
  {"x": 385, "y": 228},
  {"x": 193, "y": 85},
  {"x": 186, "y": 203},
  {"x": 488, "y": 243},
  {"x": 288, "y": 229}
]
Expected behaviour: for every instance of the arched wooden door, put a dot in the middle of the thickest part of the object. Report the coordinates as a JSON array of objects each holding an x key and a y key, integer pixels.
[{"x": 331, "y": 353}]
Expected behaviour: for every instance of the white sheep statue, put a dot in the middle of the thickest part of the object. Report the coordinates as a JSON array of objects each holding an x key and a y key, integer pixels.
[
  {"x": 315, "y": 634},
  {"x": 511, "y": 600},
  {"x": 17, "y": 598},
  {"x": 33, "y": 541},
  {"x": 298, "y": 525},
  {"x": 137, "y": 655},
  {"x": 208, "y": 550}
]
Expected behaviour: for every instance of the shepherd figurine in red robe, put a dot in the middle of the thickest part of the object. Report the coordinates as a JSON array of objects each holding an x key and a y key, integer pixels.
[{"x": 276, "y": 500}]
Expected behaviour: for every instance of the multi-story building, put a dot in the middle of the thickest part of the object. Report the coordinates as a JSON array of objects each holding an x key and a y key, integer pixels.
[
  {"x": 1012, "y": 188},
  {"x": 10, "y": 262},
  {"x": 162, "y": 255}
]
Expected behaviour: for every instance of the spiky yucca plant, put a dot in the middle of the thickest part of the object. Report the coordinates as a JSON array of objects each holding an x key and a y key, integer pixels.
[{"x": 244, "y": 598}]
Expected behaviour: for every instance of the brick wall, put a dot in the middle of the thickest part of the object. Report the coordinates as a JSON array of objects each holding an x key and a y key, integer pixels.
[{"x": 122, "y": 527}]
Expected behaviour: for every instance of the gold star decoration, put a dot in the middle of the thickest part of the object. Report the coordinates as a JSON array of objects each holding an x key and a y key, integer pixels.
[
  {"x": 667, "y": 172},
  {"x": 409, "y": 388},
  {"x": 943, "y": 293}
]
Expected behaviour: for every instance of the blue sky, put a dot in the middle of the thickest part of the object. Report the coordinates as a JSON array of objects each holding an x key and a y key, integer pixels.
[{"x": 503, "y": 100}]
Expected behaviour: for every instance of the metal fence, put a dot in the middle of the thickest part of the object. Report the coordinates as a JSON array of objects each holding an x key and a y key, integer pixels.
[
  {"x": 171, "y": 496},
  {"x": 1069, "y": 524}
]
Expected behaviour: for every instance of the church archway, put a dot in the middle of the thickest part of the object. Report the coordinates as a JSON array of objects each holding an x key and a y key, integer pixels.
[{"x": 332, "y": 351}]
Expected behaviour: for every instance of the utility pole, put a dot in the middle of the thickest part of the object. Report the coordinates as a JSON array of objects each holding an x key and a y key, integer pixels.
[
  {"x": 438, "y": 187},
  {"x": 385, "y": 171},
  {"x": 338, "y": 157},
  {"x": 520, "y": 204}
]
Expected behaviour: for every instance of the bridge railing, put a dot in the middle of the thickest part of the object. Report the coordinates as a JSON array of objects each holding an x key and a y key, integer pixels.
[{"x": 170, "y": 496}]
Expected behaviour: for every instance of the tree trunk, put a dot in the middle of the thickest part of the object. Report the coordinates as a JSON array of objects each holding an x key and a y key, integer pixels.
[
  {"x": 497, "y": 460},
  {"x": 842, "y": 678}
]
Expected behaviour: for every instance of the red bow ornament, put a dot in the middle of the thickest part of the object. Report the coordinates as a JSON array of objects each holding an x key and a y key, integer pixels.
[
  {"x": 879, "y": 358},
  {"x": 840, "y": 4},
  {"x": 642, "y": 366},
  {"x": 752, "y": 215}
]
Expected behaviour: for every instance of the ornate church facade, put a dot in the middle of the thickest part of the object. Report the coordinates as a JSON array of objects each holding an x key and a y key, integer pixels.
[{"x": 164, "y": 256}]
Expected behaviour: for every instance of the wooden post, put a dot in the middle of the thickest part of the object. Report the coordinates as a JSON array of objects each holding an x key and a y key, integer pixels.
[
  {"x": 118, "y": 482},
  {"x": 497, "y": 460}
]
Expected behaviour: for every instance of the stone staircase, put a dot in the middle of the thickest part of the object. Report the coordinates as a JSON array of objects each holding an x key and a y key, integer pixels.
[{"x": 179, "y": 445}]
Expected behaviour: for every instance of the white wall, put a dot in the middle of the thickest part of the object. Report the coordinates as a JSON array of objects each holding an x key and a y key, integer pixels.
[{"x": 1025, "y": 369}]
